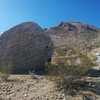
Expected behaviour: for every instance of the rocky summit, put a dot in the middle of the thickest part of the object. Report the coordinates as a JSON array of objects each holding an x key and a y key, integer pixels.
[
  {"x": 22, "y": 47},
  {"x": 68, "y": 34}
]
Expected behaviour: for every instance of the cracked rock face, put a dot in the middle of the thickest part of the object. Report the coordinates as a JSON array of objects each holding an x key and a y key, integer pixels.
[{"x": 22, "y": 47}]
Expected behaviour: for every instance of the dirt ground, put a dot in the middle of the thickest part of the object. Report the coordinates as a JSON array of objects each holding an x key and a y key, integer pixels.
[{"x": 25, "y": 87}]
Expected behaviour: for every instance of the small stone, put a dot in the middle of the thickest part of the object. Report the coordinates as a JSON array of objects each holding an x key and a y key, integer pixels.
[{"x": 25, "y": 95}]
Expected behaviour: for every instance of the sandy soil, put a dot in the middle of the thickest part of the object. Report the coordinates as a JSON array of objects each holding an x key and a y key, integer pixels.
[{"x": 24, "y": 87}]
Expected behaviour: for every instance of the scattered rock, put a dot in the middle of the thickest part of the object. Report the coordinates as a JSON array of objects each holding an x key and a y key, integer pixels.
[{"x": 25, "y": 95}]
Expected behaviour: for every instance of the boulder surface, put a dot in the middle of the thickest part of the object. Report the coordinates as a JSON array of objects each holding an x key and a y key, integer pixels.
[{"x": 22, "y": 47}]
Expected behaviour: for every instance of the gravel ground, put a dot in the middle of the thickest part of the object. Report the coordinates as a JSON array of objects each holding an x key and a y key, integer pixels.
[{"x": 23, "y": 87}]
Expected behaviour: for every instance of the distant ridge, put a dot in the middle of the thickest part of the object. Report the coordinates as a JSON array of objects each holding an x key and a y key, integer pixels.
[{"x": 68, "y": 34}]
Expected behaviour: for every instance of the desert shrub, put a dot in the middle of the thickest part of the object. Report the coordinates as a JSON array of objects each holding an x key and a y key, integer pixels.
[
  {"x": 60, "y": 52},
  {"x": 68, "y": 69},
  {"x": 5, "y": 72},
  {"x": 32, "y": 74}
]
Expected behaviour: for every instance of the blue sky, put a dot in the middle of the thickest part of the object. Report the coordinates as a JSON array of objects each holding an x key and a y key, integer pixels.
[{"x": 48, "y": 13}]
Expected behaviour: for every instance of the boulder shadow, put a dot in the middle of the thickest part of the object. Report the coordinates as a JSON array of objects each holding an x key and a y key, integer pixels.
[{"x": 94, "y": 73}]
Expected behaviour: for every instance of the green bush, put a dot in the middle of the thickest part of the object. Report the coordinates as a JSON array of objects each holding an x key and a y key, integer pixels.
[{"x": 68, "y": 69}]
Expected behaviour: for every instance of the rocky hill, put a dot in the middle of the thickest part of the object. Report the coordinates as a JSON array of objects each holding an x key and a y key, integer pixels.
[
  {"x": 22, "y": 47},
  {"x": 67, "y": 34}
]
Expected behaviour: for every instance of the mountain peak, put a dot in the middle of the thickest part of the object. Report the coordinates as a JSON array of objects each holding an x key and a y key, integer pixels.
[
  {"x": 73, "y": 25},
  {"x": 70, "y": 33}
]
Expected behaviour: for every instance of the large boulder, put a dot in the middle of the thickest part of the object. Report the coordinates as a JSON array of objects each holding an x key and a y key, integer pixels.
[{"x": 22, "y": 47}]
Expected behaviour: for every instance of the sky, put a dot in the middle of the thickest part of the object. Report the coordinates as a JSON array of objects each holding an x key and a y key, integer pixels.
[{"x": 48, "y": 13}]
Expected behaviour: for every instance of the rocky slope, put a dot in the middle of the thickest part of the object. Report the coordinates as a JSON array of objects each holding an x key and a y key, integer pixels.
[
  {"x": 22, "y": 47},
  {"x": 67, "y": 34}
]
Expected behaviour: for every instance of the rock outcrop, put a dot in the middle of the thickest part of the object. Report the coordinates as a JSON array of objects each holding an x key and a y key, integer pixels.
[
  {"x": 68, "y": 34},
  {"x": 22, "y": 47}
]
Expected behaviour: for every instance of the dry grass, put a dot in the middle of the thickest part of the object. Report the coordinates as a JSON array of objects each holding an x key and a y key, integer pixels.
[
  {"x": 68, "y": 69},
  {"x": 5, "y": 72}
]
